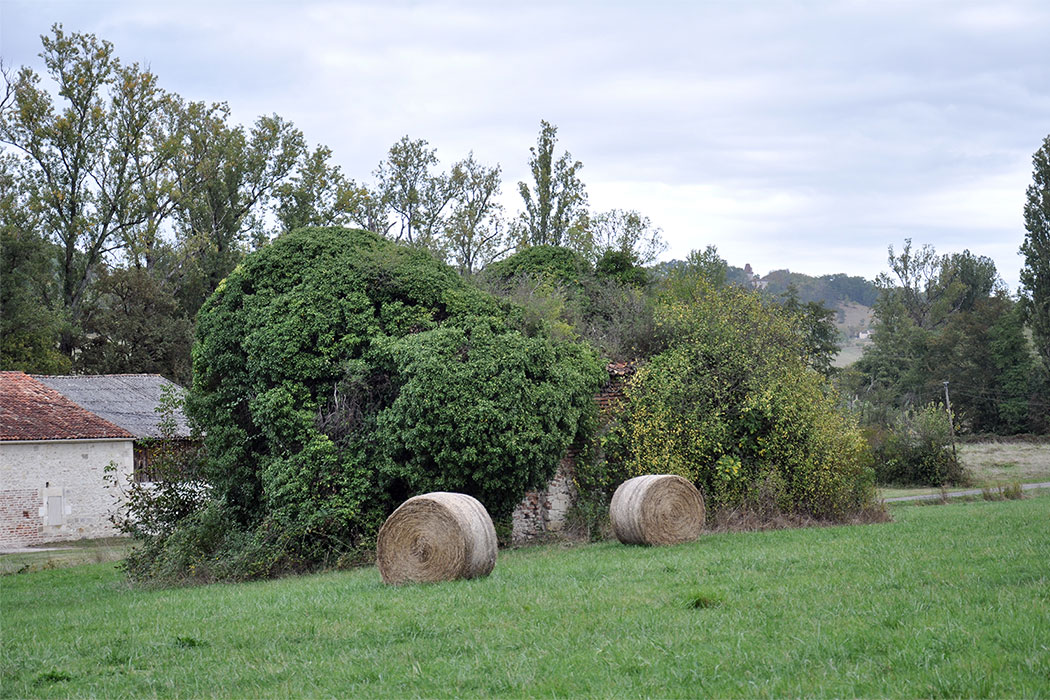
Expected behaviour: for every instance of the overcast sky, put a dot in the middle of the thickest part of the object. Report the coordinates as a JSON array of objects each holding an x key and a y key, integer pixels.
[{"x": 802, "y": 135}]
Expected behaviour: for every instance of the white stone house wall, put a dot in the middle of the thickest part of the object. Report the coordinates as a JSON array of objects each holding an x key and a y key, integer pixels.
[{"x": 56, "y": 491}]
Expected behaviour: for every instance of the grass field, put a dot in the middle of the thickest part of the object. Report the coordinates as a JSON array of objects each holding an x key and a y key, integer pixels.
[
  {"x": 947, "y": 601},
  {"x": 994, "y": 463}
]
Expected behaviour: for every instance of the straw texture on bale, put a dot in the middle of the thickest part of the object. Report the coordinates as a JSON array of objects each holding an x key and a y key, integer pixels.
[
  {"x": 437, "y": 536},
  {"x": 657, "y": 509}
]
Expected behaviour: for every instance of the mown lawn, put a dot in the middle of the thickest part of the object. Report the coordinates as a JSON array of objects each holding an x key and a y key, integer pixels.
[{"x": 947, "y": 601}]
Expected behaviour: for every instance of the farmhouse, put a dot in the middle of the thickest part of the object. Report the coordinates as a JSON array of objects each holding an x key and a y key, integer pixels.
[
  {"x": 57, "y": 436},
  {"x": 131, "y": 402},
  {"x": 53, "y": 455}
]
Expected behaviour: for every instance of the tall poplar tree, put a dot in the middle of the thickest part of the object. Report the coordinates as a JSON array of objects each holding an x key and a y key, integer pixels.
[
  {"x": 557, "y": 200},
  {"x": 1035, "y": 275}
]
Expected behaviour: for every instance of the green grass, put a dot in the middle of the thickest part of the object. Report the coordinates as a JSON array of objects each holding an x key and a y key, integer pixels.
[
  {"x": 71, "y": 554},
  {"x": 947, "y": 601}
]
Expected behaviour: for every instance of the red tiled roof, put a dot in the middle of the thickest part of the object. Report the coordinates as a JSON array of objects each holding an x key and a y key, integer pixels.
[
  {"x": 29, "y": 410},
  {"x": 621, "y": 369}
]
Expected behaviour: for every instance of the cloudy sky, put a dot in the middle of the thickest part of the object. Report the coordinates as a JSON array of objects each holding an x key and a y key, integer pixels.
[{"x": 801, "y": 135}]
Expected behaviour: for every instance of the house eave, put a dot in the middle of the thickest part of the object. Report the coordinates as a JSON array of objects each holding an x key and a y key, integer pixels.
[{"x": 66, "y": 440}]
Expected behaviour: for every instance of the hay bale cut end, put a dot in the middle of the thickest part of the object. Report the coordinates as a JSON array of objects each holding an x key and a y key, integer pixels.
[
  {"x": 437, "y": 536},
  {"x": 657, "y": 509}
]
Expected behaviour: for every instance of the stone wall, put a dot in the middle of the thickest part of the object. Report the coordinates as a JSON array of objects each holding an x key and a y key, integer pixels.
[
  {"x": 55, "y": 491},
  {"x": 544, "y": 513}
]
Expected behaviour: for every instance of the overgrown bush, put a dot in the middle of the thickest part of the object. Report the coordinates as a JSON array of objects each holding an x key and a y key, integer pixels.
[
  {"x": 917, "y": 450},
  {"x": 336, "y": 374},
  {"x": 556, "y": 263},
  {"x": 732, "y": 406},
  {"x": 609, "y": 306}
]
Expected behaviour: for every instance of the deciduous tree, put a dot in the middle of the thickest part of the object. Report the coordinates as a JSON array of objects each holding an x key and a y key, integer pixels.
[
  {"x": 627, "y": 232},
  {"x": 317, "y": 194},
  {"x": 226, "y": 175},
  {"x": 475, "y": 233},
  {"x": 557, "y": 200},
  {"x": 95, "y": 167},
  {"x": 1035, "y": 275},
  {"x": 417, "y": 195}
]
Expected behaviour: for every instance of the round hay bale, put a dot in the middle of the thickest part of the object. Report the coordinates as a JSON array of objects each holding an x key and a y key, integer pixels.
[
  {"x": 657, "y": 509},
  {"x": 437, "y": 536}
]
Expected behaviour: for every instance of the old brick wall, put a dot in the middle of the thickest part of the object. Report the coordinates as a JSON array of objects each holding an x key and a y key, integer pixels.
[
  {"x": 544, "y": 513},
  {"x": 54, "y": 490}
]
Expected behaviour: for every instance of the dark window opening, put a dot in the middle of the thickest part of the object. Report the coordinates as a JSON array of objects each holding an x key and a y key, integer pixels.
[{"x": 164, "y": 460}]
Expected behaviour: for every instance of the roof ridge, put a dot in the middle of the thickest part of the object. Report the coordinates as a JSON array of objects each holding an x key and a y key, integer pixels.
[{"x": 91, "y": 376}]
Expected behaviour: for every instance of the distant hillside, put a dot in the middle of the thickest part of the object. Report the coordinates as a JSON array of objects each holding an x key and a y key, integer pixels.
[{"x": 829, "y": 289}]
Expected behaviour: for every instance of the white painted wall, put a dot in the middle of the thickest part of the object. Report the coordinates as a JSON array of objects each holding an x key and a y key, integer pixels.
[{"x": 55, "y": 491}]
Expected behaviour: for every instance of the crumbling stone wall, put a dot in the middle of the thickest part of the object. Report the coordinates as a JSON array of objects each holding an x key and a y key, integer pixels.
[{"x": 544, "y": 513}]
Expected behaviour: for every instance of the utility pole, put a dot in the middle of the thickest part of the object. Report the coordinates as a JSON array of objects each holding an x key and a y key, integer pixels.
[{"x": 951, "y": 421}]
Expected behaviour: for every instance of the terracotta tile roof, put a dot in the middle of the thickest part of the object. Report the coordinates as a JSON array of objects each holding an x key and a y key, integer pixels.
[
  {"x": 29, "y": 410},
  {"x": 621, "y": 369}
]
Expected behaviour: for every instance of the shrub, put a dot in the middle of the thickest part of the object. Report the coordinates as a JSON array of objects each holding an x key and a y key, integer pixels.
[
  {"x": 336, "y": 374},
  {"x": 732, "y": 406},
  {"x": 556, "y": 289},
  {"x": 561, "y": 265},
  {"x": 916, "y": 450}
]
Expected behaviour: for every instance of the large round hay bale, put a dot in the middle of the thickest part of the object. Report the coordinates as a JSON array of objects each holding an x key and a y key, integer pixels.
[
  {"x": 657, "y": 509},
  {"x": 438, "y": 536}
]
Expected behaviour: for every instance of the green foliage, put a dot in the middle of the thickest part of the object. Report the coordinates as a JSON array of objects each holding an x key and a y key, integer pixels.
[
  {"x": 474, "y": 232},
  {"x": 337, "y": 373},
  {"x": 317, "y": 194},
  {"x": 814, "y": 324},
  {"x": 137, "y": 327},
  {"x": 1035, "y": 275},
  {"x": 917, "y": 450},
  {"x": 732, "y": 406},
  {"x": 948, "y": 318},
  {"x": 417, "y": 196},
  {"x": 30, "y": 328},
  {"x": 627, "y": 233},
  {"x": 81, "y": 164},
  {"x": 558, "y": 264},
  {"x": 556, "y": 204},
  {"x": 153, "y": 511},
  {"x": 226, "y": 174},
  {"x": 826, "y": 289},
  {"x": 619, "y": 266},
  {"x": 555, "y": 288}
]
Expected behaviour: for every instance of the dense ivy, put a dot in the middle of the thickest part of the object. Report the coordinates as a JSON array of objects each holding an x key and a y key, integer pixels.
[
  {"x": 561, "y": 265},
  {"x": 337, "y": 373}
]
